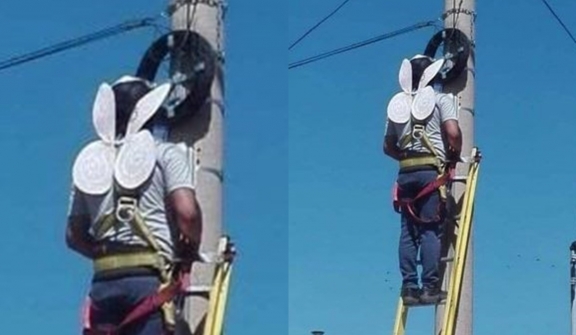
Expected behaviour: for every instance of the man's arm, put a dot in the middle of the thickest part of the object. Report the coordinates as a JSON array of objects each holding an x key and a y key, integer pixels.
[
  {"x": 450, "y": 128},
  {"x": 187, "y": 215},
  {"x": 79, "y": 239},
  {"x": 390, "y": 145},
  {"x": 391, "y": 148},
  {"x": 453, "y": 135},
  {"x": 181, "y": 203}
]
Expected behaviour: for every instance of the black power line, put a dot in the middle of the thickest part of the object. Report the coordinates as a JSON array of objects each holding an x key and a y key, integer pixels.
[
  {"x": 73, "y": 43},
  {"x": 317, "y": 24},
  {"x": 360, "y": 44},
  {"x": 559, "y": 20}
]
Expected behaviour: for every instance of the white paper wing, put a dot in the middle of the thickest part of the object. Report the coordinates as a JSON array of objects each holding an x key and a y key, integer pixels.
[
  {"x": 424, "y": 103},
  {"x": 136, "y": 160},
  {"x": 147, "y": 107},
  {"x": 399, "y": 108},
  {"x": 405, "y": 76},
  {"x": 430, "y": 72},
  {"x": 93, "y": 169},
  {"x": 104, "y": 113}
]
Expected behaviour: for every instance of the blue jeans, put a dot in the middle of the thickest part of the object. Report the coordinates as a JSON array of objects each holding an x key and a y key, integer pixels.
[
  {"x": 423, "y": 236},
  {"x": 113, "y": 299}
]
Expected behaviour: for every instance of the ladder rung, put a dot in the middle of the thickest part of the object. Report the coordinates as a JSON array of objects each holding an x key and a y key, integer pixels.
[
  {"x": 441, "y": 302},
  {"x": 198, "y": 289},
  {"x": 462, "y": 179},
  {"x": 443, "y": 260}
]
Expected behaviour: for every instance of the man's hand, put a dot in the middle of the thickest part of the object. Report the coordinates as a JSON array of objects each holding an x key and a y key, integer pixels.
[
  {"x": 187, "y": 253},
  {"x": 391, "y": 149}
]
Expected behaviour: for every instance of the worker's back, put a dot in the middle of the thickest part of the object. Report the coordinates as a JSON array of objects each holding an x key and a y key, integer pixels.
[
  {"x": 127, "y": 188},
  {"x": 444, "y": 110},
  {"x": 172, "y": 171}
]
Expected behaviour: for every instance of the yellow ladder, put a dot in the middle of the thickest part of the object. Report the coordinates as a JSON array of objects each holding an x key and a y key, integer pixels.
[
  {"x": 460, "y": 251},
  {"x": 219, "y": 292}
]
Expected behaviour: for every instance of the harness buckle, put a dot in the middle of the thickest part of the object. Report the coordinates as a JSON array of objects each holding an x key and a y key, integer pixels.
[
  {"x": 418, "y": 131},
  {"x": 126, "y": 209}
]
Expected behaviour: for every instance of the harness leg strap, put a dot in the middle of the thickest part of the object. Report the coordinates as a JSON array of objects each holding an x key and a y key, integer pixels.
[{"x": 407, "y": 205}]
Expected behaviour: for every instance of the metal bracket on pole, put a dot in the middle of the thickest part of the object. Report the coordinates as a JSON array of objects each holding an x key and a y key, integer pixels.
[
  {"x": 172, "y": 8},
  {"x": 454, "y": 11}
]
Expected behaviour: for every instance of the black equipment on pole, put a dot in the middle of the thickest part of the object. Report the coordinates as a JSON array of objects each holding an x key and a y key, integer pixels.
[
  {"x": 193, "y": 83},
  {"x": 457, "y": 49}
]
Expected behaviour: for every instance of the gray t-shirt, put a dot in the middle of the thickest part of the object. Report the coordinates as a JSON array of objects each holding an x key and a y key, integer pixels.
[
  {"x": 173, "y": 171},
  {"x": 445, "y": 110}
]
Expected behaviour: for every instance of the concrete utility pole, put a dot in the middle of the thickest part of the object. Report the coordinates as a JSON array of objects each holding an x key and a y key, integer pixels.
[
  {"x": 572, "y": 288},
  {"x": 204, "y": 134},
  {"x": 461, "y": 14}
]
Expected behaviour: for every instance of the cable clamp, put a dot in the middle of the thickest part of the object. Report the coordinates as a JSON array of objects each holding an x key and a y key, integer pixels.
[
  {"x": 459, "y": 11},
  {"x": 172, "y": 8}
]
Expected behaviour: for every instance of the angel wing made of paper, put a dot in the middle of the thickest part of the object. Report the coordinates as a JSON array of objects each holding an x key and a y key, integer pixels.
[
  {"x": 409, "y": 103},
  {"x": 129, "y": 161}
]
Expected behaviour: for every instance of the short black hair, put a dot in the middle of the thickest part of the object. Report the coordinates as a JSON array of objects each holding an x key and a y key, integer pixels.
[
  {"x": 126, "y": 95},
  {"x": 418, "y": 66}
]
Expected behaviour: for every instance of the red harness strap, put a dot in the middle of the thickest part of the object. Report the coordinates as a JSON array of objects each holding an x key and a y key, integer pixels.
[{"x": 407, "y": 204}]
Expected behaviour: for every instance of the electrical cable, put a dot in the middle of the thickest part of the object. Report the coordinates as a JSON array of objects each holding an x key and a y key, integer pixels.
[
  {"x": 458, "y": 13},
  {"x": 76, "y": 42},
  {"x": 360, "y": 44},
  {"x": 317, "y": 25},
  {"x": 559, "y": 20}
]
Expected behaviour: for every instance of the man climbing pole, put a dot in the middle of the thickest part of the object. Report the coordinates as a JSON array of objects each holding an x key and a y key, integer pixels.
[
  {"x": 133, "y": 213},
  {"x": 423, "y": 134}
]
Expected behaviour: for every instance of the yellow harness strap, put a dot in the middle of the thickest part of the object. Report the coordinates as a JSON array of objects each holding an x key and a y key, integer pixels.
[
  {"x": 419, "y": 161},
  {"x": 140, "y": 228},
  {"x": 105, "y": 224},
  {"x": 418, "y": 133},
  {"x": 119, "y": 261},
  {"x": 137, "y": 224}
]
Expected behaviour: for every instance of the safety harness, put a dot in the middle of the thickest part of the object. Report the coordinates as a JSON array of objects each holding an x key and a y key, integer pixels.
[
  {"x": 445, "y": 174},
  {"x": 127, "y": 212},
  {"x": 417, "y": 108}
]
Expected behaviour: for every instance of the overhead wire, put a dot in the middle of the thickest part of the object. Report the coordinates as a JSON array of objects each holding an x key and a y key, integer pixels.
[
  {"x": 190, "y": 15},
  {"x": 559, "y": 20},
  {"x": 317, "y": 25},
  {"x": 79, "y": 41},
  {"x": 360, "y": 44},
  {"x": 457, "y": 17},
  {"x": 458, "y": 13}
]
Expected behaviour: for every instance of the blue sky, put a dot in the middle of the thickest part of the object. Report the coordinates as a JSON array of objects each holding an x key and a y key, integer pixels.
[
  {"x": 46, "y": 118},
  {"x": 343, "y": 233}
]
